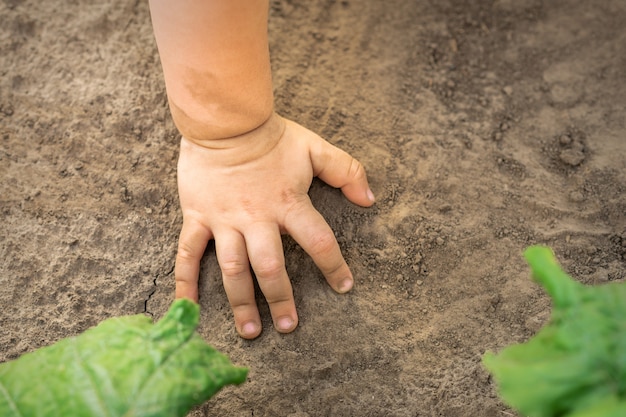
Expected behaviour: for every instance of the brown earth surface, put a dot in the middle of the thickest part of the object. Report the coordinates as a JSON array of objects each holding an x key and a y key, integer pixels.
[{"x": 485, "y": 127}]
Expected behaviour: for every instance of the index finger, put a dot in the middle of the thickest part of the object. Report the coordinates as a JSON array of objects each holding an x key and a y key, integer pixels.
[
  {"x": 309, "y": 229},
  {"x": 191, "y": 245}
]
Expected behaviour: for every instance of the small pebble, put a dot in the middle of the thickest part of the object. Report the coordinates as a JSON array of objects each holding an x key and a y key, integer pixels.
[
  {"x": 601, "y": 276},
  {"x": 576, "y": 197},
  {"x": 565, "y": 140},
  {"x": 7, "y": 110},
  {"x": 572, "y": 157}
]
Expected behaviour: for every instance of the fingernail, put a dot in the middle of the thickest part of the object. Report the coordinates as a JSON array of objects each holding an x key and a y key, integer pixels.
[
  {"x": 370, "y": 195},
  {"x": 284, "y": 324},
  {"x": 346, "y": 285},
  {"x": 249, "y": 329}
]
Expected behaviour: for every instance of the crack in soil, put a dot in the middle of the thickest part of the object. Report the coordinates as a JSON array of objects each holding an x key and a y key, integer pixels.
[{"x": 154, "y": 289}]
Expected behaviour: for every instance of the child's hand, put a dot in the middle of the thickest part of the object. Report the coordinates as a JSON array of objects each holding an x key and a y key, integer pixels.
[{"x": 244, "y": 192}]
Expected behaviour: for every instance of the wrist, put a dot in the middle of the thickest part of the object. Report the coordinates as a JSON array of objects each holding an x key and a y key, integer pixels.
[
  {"x": 238, "y": 149},
  {"x": 206, "y": 121}
]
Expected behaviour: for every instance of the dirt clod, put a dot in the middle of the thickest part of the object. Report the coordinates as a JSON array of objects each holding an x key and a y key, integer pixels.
[{"x": 572, "y": 157}]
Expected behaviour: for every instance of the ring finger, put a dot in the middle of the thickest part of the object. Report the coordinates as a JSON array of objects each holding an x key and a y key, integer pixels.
[{"x": 232, "y": 257}]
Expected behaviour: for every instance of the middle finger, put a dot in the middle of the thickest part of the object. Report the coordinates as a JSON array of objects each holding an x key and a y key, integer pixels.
[{"x": 265, "y": 250}]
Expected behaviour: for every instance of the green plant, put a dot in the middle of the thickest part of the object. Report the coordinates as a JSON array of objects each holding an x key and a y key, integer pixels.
[
  {"x": 575, "y": 366},
  {"x": 125, "y": 366}
]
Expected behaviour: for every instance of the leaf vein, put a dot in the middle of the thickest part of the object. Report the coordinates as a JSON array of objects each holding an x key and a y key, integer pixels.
[
  {"x": 9, "y": 400},
  {"x": 83, "y": 367},
  {"x": 137, "y": 396}
]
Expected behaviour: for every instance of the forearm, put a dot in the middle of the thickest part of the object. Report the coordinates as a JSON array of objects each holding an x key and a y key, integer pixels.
[{"x": 216, "y": 65}]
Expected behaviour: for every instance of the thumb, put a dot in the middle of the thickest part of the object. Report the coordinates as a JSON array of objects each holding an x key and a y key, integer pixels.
[{"x": 339, "y": 169}]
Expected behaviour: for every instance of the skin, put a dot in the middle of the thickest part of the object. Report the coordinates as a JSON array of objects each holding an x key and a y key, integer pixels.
[{"x": 243, "y": 171}]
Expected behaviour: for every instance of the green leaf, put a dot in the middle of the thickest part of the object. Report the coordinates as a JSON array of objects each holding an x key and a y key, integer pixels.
[
  {"x": 576, "y": 365},
  {"x": 125, "y": 366}
]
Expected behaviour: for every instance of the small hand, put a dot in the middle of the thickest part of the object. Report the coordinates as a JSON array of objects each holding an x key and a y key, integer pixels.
[{"x": 245, "y": 192}]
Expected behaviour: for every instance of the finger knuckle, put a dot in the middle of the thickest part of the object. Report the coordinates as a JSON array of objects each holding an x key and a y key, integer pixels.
[
  {"x": 322, "y": 244},
  {"x": 356, "y": 170},
  {"x": 269, "y": 267},
  {"x": 181, "y": 280},
  {"x": 243, "y": 307},
  {"x": 185, "y": 252},
  {"x": 233, "y": 267},
  {"x": 279, "y": 300}
]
